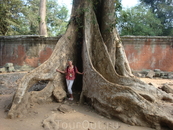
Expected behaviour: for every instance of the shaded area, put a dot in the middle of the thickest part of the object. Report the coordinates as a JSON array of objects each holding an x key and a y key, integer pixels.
[{"x": 40, "y": 85}]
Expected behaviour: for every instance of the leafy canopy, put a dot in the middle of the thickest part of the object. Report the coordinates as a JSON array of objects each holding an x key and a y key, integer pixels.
[
  {"x": 21, "y": 17},
  {"x": 138, "y": 20},
  {"x": 163, "y": 10},
  {"x": 10, "y": 13}
]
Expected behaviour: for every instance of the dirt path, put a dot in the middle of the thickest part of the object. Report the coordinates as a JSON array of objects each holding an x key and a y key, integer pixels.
[{"x": 72, "y": 117}]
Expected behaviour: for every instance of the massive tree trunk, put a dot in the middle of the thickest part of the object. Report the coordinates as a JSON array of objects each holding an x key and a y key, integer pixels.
[
  {"x": 42, "y": 14},
  {"x": 108, "y": 84}
]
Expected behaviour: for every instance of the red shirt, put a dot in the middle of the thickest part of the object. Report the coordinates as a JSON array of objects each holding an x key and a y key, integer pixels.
[{"x": 71, "y": 73}]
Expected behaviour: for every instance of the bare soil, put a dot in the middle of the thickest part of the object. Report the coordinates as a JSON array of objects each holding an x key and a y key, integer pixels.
[{"x": 69, "y": 115}]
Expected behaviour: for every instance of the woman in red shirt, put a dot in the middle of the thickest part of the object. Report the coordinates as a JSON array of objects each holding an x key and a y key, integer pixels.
[{"x": 70, "y": 77}]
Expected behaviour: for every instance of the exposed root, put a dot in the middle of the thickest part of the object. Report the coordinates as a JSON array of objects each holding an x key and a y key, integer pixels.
[
  {"x": 64, "y": 50},
  {"x": 127, "y": 98}
]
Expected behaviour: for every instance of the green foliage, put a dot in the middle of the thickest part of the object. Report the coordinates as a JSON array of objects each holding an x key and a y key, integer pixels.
[
  {"x": 30, "y": 24},
  {"x": 118, "y": 5},
  {"x": 56, "y": 18},
  {"x": 21, "y": 17},
  {"x": 163, "y": 10},
  {"x": 10, "y": 12},
  {"x": 138, "y": 21}
]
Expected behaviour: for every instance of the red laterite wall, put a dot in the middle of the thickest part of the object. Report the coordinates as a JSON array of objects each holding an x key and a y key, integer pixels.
[
  {"x": 142, "y": 52},
  {"x": 149, "y": 52}
]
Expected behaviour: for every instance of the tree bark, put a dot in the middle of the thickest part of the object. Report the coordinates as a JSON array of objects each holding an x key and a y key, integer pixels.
[
  {"x": 108, "y": 84},
  {"x": 42, "y": 14}
]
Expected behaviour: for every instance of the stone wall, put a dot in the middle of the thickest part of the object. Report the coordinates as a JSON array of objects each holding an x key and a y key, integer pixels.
[
  {"x": 149, "y": 52},
  {"x": 28, "y": 52}
]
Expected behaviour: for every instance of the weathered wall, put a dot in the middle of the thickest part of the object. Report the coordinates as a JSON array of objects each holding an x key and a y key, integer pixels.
[
  {"x": 149, "y": 52},
  {"x": 26, "y": 50},
  {"x": 142, "y": 52}
]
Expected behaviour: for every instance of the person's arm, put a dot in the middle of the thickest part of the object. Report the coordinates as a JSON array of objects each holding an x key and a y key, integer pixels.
[
  {"x": 60, "y": 71},
  {"x": 78, "y": 71}
]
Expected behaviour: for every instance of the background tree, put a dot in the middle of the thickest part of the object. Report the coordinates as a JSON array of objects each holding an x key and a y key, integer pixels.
[
  {"x": 138, "y": 20},
  {"x": 42, "y": 18},
  {"x": 57, "y": 18},
  {"x": 20, "y": 17},
  {"x": 30, "y": 25},
  {"x": 163, "y": 10},
  {"x": 108, "y": 84},
  {"x": 10, "y": 13}
]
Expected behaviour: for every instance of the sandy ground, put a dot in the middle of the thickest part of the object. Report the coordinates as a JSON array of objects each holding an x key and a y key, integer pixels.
[{"x": 69, "y": 115}]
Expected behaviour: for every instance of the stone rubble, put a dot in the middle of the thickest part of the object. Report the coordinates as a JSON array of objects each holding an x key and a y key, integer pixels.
[{"x": 156, "y": 73}]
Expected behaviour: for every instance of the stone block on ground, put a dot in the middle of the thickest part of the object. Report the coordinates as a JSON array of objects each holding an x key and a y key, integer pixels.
[
  {"x": 157, "y": 70},
  {"x": 150, "y": 74},
  {"x": 139, "y": 75},
  {"x": 157, "y": 74},
  {"x": 2, "y": 70},
  {"x": 170, "y": 76},
  {"x": 11, "y": 69},
  {"x": 26, "y": 68},
  {"x": 145, "y": 71},
  {"x": 8, "y": 65},
  {"x": 164, "y": 77}
]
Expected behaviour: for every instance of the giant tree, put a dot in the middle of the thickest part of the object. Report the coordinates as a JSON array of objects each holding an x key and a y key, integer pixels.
[{"x": 108, "y": 84}]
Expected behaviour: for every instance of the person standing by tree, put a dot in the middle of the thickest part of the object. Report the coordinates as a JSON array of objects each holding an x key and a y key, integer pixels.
[{"x": 70, "y": 72}]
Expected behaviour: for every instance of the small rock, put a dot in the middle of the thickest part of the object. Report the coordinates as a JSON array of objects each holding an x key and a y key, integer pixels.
[
  {"x": 139, "y": 75},
  {"x": 64, "y": 109},
  {"x": 145, "y": 71},
  {"x": 2, "y": 70},
  {"x": 170, "y": 76},
  {"x": 11, "y": 69},
  {"x": 150, "y": 74},
  {"x": 9, "y": 65},
  {"x": 164, "y": 77},
  {"x": 157, "y": 74},
  {"x": 157, "y": 70}
]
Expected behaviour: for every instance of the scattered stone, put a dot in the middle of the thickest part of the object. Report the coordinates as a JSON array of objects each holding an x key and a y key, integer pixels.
[
  {"x": 170, "y": 76},
  {"x": 157, "y": 70},
  {"x": 164, "y": 77},
  {"x": 162, "y": 74},
  {"x": 2, "y": 70},
  {"x": 150, "y": 74},
  {"x": 9, "y": 67},
  {"x": 157, "y": 74},
  {"x": 26, "y": 68},
  {"x": 145, "y": 71},
  {"x": 139, "y": 75},
  {"x": 64, "y": 109}
]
